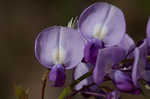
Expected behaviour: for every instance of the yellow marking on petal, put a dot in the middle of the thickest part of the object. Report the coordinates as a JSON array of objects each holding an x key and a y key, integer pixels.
[
  {"x": 58, "y": 55},
  {"x": 55, "y": 56},
  {"x": 61, "y": 54},
  {"x": 99, "y": 31}
]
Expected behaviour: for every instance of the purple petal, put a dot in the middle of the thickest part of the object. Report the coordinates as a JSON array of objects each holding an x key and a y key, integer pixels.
[
  {"x": 148, "y": 28},
  {"x": 127, "y": 43},
  {"x": 59, "y": 45},
  {"x": 123, "y": 82},
  {"x": 135, "y": 70},
  {"x": 91, "y": 51},
  {"x": 140, "y": 55},
  {"x": 94, "y": 89},
  {"x": 107, "y": 58},
  {"x": 102, "y": 21},
  {"x": 113, "y": 95},
  {"x": 57, "y": 75},
  {"x": 148, "y": 32},
  {"x": 79, "y": 71}
]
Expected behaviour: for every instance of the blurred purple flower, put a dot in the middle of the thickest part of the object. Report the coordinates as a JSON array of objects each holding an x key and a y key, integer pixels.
[
  {"x": 113, "y": 95},
  {"x": 127, "y": 44},
  {"x": 80, "y": 70},
  {"x": 148, "y": 32},
  {"x": 141, "y": 68},
  {"x": 139, "y": 63},
  {"x": 59, "y": 48},
  {"x": 108, "y": 58},
  {"x": 86, "y": 85},
  {"x": 103, "y": 22},
  {"x": 123, "y": 82},
  {"x": 91, "y": 51}
]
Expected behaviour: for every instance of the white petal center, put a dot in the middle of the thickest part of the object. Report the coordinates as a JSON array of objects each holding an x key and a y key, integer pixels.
[
  {"x": 58, "y": 55},
  {"x": 100, "y": 31}
]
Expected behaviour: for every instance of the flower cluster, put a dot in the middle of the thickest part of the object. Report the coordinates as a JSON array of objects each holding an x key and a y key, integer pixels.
[{"x": 100, "y": 44}]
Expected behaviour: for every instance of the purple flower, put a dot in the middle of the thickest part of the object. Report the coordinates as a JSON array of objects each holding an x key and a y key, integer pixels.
[
  {"x": 146, "y": 74},
  {"x": 139, "y": 63},
  {"x": 80, "y": 70},
  {"x": 148, "y": 32},
  {"x": 141, "y": 68},
  {"x": 91, "y": 51},
  {"x": 128, "y": 44},
  {"x": 113, "y": 95},
  {"x": 103, "y": 22},
  {"x": 131, "y": 85},
  {"x": 123, "y": 82},
  {"x": 57, "y": 74},
  {"x": 59, "y": 48},
  {"x": 108, "y": 58},
  {"x": 86, "y": 85}
]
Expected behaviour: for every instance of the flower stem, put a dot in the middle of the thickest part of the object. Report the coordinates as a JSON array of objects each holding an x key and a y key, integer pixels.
[
  {"x": 86, "y": 75},
  {"x": 44, "y": 80}
]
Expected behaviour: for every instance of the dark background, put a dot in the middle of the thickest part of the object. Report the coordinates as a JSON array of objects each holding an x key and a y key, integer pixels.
[{"x": 22, "y": 20}]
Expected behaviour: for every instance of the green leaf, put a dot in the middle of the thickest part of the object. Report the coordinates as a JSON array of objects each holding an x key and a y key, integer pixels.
[
  {"x": 145, "y": 92},
  {"x": 21, "y": 93}
]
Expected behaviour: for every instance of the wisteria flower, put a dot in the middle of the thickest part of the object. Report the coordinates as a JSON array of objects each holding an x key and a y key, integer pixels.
[
  {"x": 108, "y": 63},
  {"x": 123, "y": 82},
  {"x": 59, "y": 48},
  {"x": 98, "y": 49},
  {"x": 80, "y": 70},
  {"x": 102, "y": 25},
  {"x": 108, "y": 58},
  {"x": 141, "y": 67},
  {"x": 127, "y": 44},
  {"x": 113, "y": 95},
  {"x": 139, "y": 63},
  {"x": 148, "y": 32}
]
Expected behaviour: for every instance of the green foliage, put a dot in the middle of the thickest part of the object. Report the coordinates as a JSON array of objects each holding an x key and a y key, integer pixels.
[
  {"x": 145, "y": 89},
  {"x": 21, "y": 93},
  {"x": 67, "y": 91}
]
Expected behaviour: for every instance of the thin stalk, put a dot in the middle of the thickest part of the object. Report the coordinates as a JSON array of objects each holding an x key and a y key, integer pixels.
[{"x": 44, "y": 81}]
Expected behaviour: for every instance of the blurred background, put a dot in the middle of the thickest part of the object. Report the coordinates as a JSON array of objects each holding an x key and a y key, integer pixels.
[{"x": 22, "y": 20}]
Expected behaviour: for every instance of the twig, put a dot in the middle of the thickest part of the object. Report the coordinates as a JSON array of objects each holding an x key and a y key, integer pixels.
[{"x": 44, "y": 80}]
